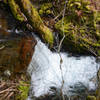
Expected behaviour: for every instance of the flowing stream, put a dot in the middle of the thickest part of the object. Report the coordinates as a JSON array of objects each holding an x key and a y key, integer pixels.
[{"x": 50, "y": 75}]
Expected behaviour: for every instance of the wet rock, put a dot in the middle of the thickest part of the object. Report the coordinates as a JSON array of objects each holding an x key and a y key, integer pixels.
[
  {"x": 16, "y": 47},
  {"x": 16, "y": 55},
  {"x": 26, "y": 49}
]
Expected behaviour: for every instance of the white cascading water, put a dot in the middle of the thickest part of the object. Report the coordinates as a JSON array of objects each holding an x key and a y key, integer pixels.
[{"x": 45, "y": 71}]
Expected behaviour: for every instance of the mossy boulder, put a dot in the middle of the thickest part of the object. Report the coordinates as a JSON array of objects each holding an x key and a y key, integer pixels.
[
  {"x": 79, "y": 28},
  {"x": 77, "y": 37}
]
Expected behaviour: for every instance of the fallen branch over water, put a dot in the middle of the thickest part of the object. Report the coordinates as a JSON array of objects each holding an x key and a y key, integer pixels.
[{"x": 24, "y": 10}]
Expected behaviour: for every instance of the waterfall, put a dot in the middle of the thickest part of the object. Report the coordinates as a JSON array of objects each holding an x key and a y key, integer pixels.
[{"x": 45, "y": 72}]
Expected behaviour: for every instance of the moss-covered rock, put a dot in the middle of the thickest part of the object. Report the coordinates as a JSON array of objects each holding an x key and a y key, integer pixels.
[
  {"x": 79, "y": 29},
  {"x": 77, "y": 36}
]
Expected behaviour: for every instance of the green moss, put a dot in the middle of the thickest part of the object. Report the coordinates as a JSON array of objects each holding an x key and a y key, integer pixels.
[
  {"x": 97, "y": 22},
  {"x": 23, "y": 88},
  {"x": 98, "y": 52},
  {"x": 78, "y": 26},
  {"x": 97, "y": 15},
  {"x": 79, "y": 35},
  {"x": 35, "y": 20},
  {"x": 32, "y": 16},
  {"x": 45, "y": 9},
  {"x": 5, "y": 1},
  {"x": 16, "y": 10},
  {"x": 48, "y": 12},
  {"x": 91, "y": 98},
  {"x": 48, "y": 36}
]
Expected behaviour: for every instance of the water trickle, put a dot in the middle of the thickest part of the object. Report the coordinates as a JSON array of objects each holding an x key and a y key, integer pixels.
[{"x": 45, "y": 72}]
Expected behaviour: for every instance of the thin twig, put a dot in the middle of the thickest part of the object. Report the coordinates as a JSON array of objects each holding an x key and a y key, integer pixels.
[
  {"x": 59, "y": 48},
  {"x": 58, "y": 15},
  {"x": 10, "y": 95}
]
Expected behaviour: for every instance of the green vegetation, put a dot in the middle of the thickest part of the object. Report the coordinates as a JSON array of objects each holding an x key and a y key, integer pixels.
[
  {"x": 75, "y": 20},
  {"x": 16, "y": 10},
  {"x": 32, "y": 16},
  {"x": 79, "y": 28},
  {"x": 91, "y": 98},
  {"x": 23, "y": 89},
  {"x": 45, "y": 9}
]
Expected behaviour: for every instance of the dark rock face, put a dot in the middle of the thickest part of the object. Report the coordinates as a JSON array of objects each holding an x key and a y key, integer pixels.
[{"x": 16, "y": 54}]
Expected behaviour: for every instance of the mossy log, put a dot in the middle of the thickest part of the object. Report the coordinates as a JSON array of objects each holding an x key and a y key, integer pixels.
[
  {"x": 16, "y": 10},
  {"x": 25, "y": 7},
  {"x": 35, "y": 20}
]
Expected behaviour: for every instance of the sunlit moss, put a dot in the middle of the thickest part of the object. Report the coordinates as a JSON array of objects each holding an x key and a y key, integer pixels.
[
  {"x": 45, "y": 8},
  {"x": 91, "y": 98},
  {"x": 23, "y": 89},
  {"x": 16, "y": 10},
  {"x": 78, "y": 26},
  {"x": 35, "y": 20}
]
